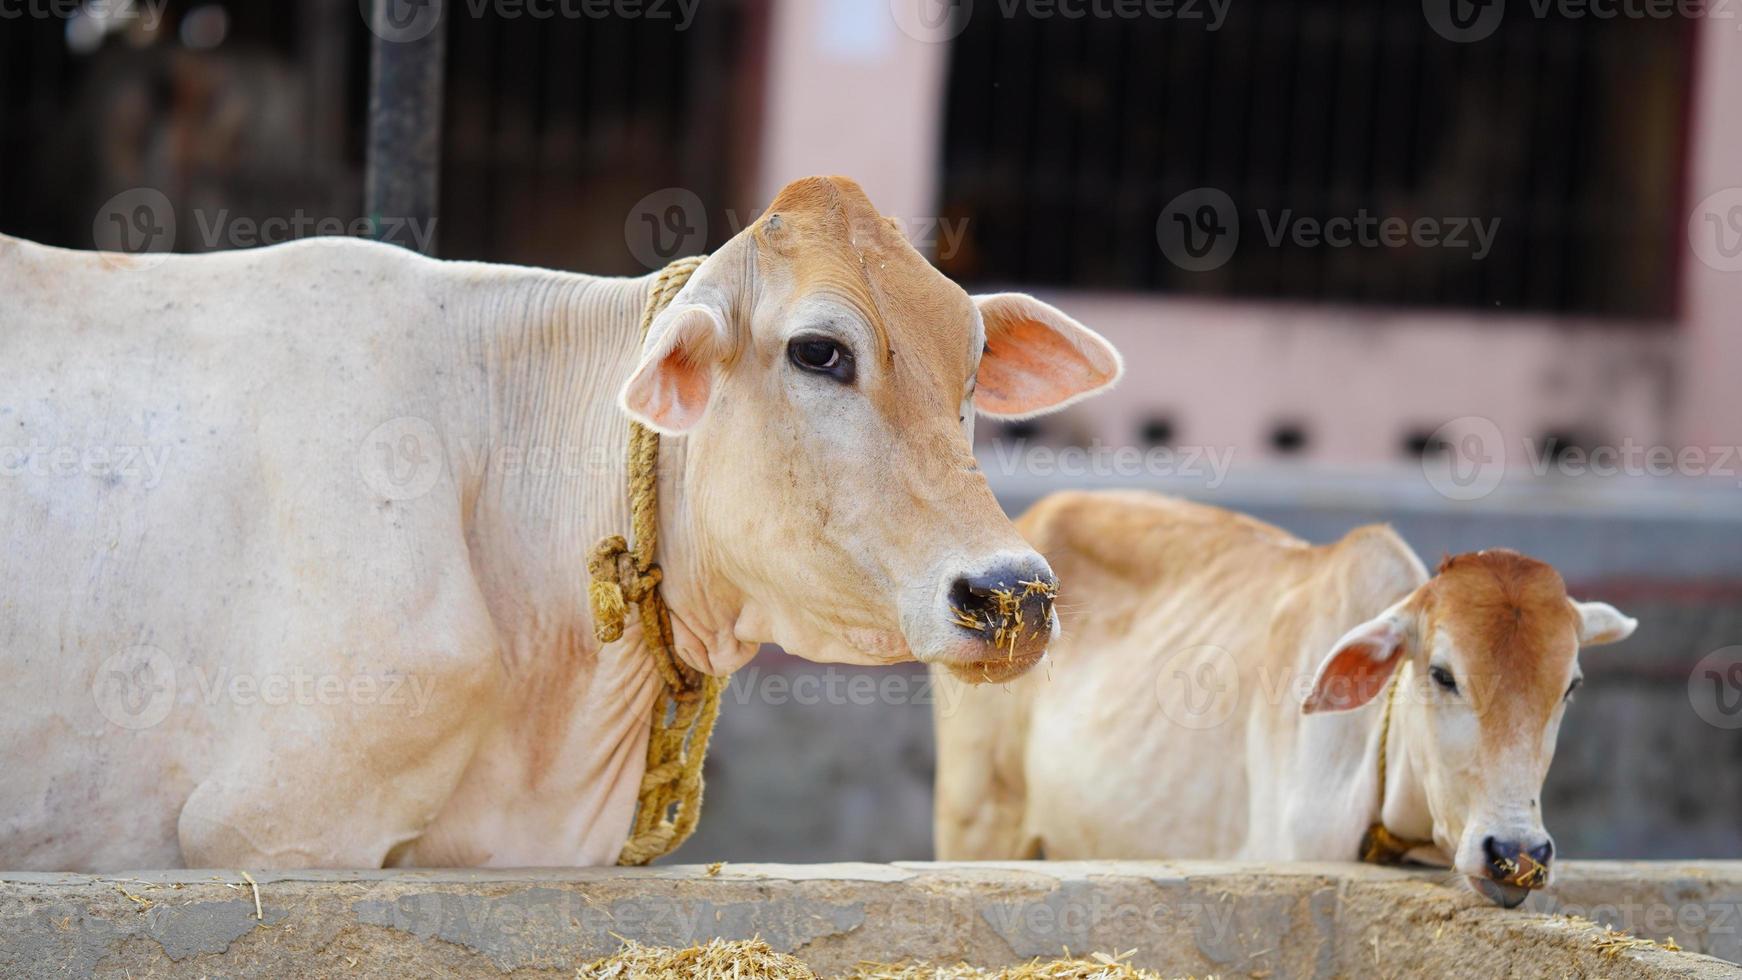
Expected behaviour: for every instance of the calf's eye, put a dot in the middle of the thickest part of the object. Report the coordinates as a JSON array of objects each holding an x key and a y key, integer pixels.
[
  {"x": 1443, "y": 678},
  {"x": 1574, "y": 686},
  {"x": 820, "y": 355}
]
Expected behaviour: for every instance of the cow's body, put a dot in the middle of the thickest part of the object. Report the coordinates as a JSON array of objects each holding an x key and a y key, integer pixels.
[
  {"x": 1168, "y": 724},
  {"x": 258, "y": 552},
  {"x": 1219, "y": 691},
  {"x": 294, "y": 566}
]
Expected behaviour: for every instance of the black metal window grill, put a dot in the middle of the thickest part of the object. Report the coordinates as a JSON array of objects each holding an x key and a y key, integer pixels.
[
  {"x": 557, "y": 128},
  {"x": 1066, "y": 139},
  {"x": 554, "y": 127}
]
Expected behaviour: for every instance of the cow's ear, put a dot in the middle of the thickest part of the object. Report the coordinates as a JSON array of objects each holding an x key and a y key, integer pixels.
[
  {"x": 670, "y": 388},
  {"x": 1361, "y": 662},
  {"x": 1601, "y": 623},
  {"x": 1037, "y": 359}
]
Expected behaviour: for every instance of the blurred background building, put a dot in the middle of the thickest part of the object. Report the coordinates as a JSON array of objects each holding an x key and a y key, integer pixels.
[{"x": 1550, "y": 276}]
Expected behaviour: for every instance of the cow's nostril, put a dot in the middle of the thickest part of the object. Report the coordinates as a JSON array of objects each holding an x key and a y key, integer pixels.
[
  {"x": 1491, "y": 850},
  {"x": 1542, "y": 853},
  {"x": 1010, "y": 605},
  {"x": 962, "y": 595}
]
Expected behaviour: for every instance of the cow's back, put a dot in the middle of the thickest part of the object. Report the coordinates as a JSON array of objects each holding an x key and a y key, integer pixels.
[{"x": 180, "y": 489}]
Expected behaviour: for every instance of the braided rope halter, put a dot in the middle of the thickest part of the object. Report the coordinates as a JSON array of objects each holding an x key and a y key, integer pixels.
[{"x": 670, "y": 799}]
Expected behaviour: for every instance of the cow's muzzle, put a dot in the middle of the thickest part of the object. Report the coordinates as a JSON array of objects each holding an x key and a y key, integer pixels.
[
  {"x": 1512, "y": 870},
  {"x": 1007, "y": 608}
]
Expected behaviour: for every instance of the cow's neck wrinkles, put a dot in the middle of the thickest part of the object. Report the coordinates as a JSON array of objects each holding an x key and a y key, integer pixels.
[
  {"x": 552, "y": 356},
  {"x": 554, "y": 483},
  {"x": 705, "y": 607}
]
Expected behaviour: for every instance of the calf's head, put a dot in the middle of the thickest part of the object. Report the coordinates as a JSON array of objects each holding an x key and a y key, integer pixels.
[
  {"x": 1492, "y": 641},
  {"x": 825, "y": 378}
]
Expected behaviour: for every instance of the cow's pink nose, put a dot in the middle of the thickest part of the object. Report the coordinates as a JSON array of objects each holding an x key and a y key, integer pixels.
[{"x": 1009, "y": 605}]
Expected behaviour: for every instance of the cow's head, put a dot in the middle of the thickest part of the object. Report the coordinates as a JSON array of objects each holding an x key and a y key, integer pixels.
[
  {"x": 825, "y": 379},
  {"x": 1492, "y": 641}
]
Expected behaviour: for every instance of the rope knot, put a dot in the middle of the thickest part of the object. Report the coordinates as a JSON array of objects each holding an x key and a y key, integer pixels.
[{"x": 605, "y": 594}]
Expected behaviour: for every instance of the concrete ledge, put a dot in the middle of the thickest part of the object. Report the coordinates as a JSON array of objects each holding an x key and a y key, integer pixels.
[{"x": 1304, "y": 920}]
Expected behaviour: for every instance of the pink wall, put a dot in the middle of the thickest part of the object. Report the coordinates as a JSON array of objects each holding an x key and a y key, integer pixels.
[
  {"x": 1711, "y": 404},
  {"x": 874, "y": 119}
]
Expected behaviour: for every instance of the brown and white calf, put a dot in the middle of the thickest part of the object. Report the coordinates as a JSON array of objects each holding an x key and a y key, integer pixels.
[
  {"x": 1219, "y": 685},
  {"x": 341, "y": 617}
]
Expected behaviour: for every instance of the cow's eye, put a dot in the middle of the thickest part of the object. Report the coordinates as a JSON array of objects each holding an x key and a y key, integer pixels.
[
  {"x": 822, "y": 356},
  {"x": 1443, "y": 678},
  {"x": 1574, "y": 686}
]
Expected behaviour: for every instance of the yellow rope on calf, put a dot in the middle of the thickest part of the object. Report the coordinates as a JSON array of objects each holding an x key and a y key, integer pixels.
[
  {"x": 1379, "y": 845},
  {"x": 688, "y": 700}
]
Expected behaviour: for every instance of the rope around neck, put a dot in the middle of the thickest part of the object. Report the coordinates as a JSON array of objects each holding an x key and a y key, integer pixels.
[
  {"x": 689, "y": 700},
  {"x": 1379, "y": 845}
]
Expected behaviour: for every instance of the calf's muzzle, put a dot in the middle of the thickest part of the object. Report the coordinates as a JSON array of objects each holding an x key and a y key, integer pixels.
[{"x": 1514, "y": 869}]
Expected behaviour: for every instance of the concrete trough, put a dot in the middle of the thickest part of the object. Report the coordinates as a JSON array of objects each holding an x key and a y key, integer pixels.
[{"x": 1181, "y": 918}]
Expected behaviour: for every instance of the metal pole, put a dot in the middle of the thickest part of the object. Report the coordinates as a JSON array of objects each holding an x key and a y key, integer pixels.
[{"x": 402, "y": 177}]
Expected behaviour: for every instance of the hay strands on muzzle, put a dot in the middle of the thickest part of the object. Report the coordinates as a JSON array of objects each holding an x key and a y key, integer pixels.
[{"x": 1003, "y": 618}]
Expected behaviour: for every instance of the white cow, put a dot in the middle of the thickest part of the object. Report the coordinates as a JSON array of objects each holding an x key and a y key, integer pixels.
[
  {"x": 293, "y": 541},
  {"x": 1219, "y": 688}
]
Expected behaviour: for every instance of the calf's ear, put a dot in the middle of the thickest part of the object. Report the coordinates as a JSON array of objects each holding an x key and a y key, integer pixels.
[
  {"x": 1601, "y": 623},
  {"x": 1361, "y": 662},
  {"x": 1037, "y": 359},
  {"x": 669, "y": 390}
]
